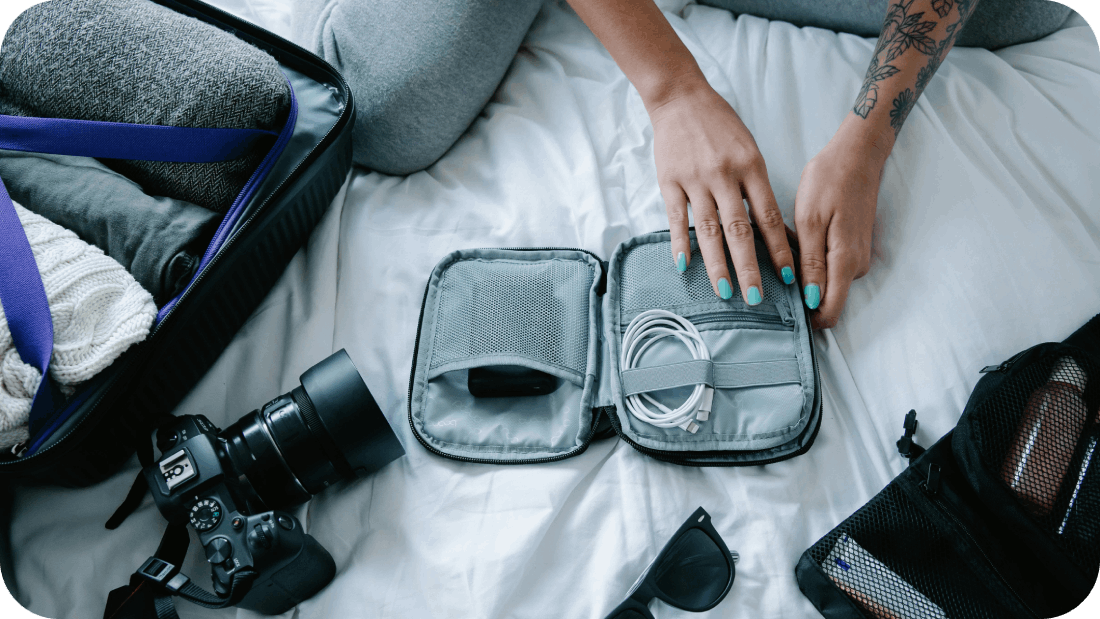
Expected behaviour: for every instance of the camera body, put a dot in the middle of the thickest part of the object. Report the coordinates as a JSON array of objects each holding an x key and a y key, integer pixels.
[
  {"x": 232, "y": 486},
  {"x": 192, "y": 484}
]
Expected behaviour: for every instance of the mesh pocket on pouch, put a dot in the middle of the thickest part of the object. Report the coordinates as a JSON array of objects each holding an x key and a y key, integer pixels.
[
  {"x": 644, "y": 289},
  {"x": 537, "y": 310},
  {"x": 895, "y": 564},
  {"x": 1038, "y": 435}
]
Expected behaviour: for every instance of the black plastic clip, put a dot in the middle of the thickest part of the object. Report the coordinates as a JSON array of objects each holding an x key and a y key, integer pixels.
[
  {"x": 157, "y": 570},
  {"x": 162, "y": 573},
  {"x": 906, "y": 445}
]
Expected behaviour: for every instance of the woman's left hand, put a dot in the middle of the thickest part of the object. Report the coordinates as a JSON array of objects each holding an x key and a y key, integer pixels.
[{"x": 834, "y": 214}]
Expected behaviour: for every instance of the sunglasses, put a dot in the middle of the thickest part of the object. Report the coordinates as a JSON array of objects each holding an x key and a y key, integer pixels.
[{"x": 693, "y": 572}]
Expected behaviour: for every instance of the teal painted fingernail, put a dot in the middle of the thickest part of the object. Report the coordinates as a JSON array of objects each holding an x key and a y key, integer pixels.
[
  {"x": 788, "y": 275},
  {"x": 681, "y": 262},
  {"x": 724, "y": 289},
  {"x": 753, "y": 297},
  {"x": 813, "y": 296}
]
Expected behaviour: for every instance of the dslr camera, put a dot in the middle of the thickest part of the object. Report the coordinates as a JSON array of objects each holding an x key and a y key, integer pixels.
[{"x": 234, "y": 485}]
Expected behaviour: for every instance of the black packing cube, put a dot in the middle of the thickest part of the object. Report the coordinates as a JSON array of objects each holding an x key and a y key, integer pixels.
[{"x": 1000, "y": 518}]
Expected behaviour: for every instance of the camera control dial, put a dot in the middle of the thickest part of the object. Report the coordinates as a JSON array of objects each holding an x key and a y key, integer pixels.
[
  {"x": 219, "y": 550},
  {"x": 261, "y": 537},
  {"x": 206, "y": 514}
]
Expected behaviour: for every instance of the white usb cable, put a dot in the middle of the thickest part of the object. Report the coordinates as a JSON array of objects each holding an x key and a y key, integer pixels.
[{"x": 647, "y": 328}]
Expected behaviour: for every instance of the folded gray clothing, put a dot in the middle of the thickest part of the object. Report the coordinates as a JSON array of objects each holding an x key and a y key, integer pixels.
[
  {"x": 160, "y": 241},
  {"x": 134, "y": 61}
]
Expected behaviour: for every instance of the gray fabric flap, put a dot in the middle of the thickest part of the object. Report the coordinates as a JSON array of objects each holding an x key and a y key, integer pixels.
[{"x": 718, "y": 375}]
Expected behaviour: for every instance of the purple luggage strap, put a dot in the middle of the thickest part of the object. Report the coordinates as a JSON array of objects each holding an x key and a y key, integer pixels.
[{"x": 22, "y": 293}]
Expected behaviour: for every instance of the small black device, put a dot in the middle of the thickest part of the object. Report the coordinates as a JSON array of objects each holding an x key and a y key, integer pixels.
[
  {"x": 693, "y": 572},
  {"x": 231, "y": 486},
  {"x": 509, "y": 381}
]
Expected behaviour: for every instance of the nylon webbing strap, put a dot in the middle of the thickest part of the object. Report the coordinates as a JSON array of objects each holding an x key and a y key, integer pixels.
[
  {"x": 165, "y": 607},
  {"x": 22, "y": 294},
  {"x": 26, "y": 308},
  {"x": 241, "y": 583},
  {"x": 717, "y": 375},
  {"x": 158, "y": 579},
  {"x": 107, "y": 140}
]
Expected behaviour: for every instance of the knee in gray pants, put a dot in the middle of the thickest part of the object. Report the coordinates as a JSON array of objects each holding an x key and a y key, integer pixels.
[{"x": 420, "y": 70}]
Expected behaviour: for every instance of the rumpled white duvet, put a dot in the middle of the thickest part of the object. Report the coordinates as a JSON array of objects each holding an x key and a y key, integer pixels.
[{"x": 987, "y": 241}]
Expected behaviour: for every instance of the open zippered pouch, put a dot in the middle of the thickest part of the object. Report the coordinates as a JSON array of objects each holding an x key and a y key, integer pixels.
[
  {"x": 85, "y": 437},
  {"x": 547, "y": 325},
  {"x": 1000, "y": 518}
]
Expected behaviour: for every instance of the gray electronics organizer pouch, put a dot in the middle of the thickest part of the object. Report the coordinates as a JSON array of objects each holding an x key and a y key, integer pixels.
[{"x": 564, "y": 312}]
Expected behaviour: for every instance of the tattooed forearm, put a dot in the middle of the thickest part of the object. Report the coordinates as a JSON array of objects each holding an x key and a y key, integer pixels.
[
  {"x": 905, "y": 29},
  {"x": 901, "y": 31}
]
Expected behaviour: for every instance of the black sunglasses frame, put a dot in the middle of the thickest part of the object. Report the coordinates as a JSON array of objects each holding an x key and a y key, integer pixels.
[{"x": 647, "y": 589}]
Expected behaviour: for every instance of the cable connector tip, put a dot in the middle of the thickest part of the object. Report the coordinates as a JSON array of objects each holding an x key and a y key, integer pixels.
[{"x": 708, "y": 399}]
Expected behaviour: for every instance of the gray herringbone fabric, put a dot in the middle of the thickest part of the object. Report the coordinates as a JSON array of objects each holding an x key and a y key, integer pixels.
[{"x": 137, "y": 62}]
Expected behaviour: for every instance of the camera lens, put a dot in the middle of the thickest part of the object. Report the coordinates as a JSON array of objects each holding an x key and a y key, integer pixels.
[{"x": 328, "y": 429}]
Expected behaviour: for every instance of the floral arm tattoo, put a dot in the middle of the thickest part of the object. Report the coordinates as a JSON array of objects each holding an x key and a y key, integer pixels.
[{"x": 904, "y": 30}]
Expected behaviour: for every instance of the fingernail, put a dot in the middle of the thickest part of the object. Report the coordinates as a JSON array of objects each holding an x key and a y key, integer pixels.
[
  {"x": 681, "y": 262},
  {"x": 753, "y": 297},
  {"x": 724, "y": 289},
  {"x": 813, "y": 296},
  {"x": 788, "y": 275}
]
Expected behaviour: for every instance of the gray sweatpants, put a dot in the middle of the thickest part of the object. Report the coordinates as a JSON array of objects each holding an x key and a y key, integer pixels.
[{"x": 422, "y": 70}]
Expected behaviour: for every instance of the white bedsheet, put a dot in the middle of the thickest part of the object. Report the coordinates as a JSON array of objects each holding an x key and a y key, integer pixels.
[{"x": 987, "y": 241}]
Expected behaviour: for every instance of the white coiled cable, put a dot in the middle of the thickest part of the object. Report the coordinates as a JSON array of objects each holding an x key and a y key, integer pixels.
[{"x": 646, "y": 329}]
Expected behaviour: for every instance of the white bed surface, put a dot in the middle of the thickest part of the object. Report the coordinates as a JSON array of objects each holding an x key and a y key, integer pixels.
[{"x": 987, "y": 241}]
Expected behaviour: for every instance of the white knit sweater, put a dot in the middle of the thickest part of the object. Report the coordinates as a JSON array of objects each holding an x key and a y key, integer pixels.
[{"x": 98, "y": 311}]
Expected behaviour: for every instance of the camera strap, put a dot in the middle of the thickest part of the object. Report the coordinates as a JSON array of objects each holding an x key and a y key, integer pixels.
[
  {"x": 151, "y": 588},
  {"x": 140, "y": 487}
]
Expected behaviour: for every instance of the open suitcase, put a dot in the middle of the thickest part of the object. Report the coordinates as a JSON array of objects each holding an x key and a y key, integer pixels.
[{"x": 94, "y": 432}]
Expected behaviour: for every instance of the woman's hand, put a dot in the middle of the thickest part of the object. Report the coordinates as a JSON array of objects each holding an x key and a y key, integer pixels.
[
  {"x": 705, "y": 155},
  {"x": 706, "y": 158},
  {"x": 834, "y": 214}
]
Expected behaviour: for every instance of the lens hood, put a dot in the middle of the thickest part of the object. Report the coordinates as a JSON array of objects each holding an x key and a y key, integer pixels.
[{"x": 350, "y": 415}]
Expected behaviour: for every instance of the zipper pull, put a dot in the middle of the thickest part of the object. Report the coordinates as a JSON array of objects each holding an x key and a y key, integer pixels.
[
  {"x": 1007, "y": 363},
  {"x": 906, "y": 445},
  {"x": 20, "y": 449},
  {"x": 931, "y": 484}
]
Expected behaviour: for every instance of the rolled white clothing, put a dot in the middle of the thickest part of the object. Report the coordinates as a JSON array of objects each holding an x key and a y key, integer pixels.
[{"x": 98, "y": 311}]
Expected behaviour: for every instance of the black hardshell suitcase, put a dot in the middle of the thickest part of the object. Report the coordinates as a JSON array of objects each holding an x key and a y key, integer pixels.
[{"x": 114, "y": 413}]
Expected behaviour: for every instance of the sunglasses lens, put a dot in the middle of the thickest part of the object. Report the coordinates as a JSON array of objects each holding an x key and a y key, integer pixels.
[
  {"x": 694, "y": 573},
  {"x": 629, "y": 614}
]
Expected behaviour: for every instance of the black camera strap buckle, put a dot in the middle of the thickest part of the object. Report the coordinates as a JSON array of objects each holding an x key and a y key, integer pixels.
[{"x": 163, "y": 573}]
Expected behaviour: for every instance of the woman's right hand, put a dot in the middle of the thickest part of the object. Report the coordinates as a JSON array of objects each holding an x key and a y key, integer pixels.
[
  {"x": 705, "y": 156},
  {"x": 707, "y": 159}
]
